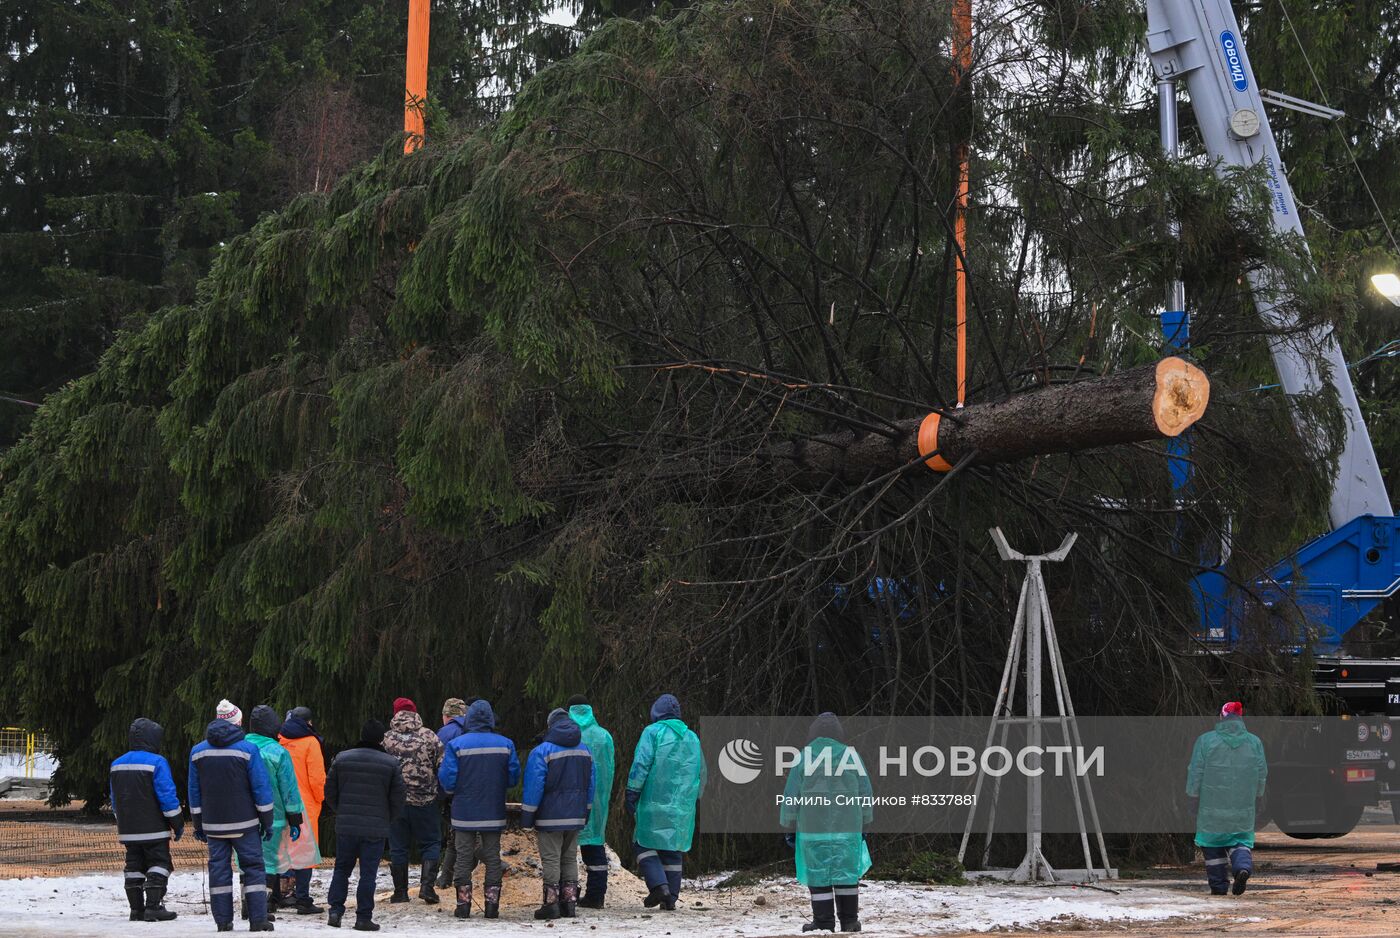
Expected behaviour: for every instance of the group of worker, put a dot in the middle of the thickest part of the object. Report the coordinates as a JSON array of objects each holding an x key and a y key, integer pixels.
[{"x": 256, "y": 796}]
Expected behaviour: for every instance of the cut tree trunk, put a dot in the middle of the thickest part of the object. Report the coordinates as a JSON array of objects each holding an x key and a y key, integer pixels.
[{"x": 1147, "y": 403}]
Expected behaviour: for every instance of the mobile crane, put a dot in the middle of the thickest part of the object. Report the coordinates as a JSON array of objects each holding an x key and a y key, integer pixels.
[{"x": 1333, "y": 581}]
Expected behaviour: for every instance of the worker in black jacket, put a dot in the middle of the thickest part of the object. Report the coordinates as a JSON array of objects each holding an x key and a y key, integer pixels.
[
  {"x": 148, "y": 812},
  {"x": 366, "y": 791}
]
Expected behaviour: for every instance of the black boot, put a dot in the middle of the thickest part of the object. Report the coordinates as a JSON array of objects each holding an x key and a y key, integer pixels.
[
  {"x": 155, "y": 905},
  {"x": 426, "y": 892},
  {"x": 568, "y": 898},
  {"x": 591, "y": 900},
  {"x": 848, "y": 907},
  {"x": 399, "y": 873},
  {"x": 823, "y": 911},
  {"x": 333, "y": 919},
  {"x": 366, "y": 925},
  {"x": 549, "y": 906},
  {"x": 659, "y": 894},
  {"x": 308, "y": 907},
  {"x": 264, "y": 925},
  {"x": 464, "y": 900},
  {"x": 493, "y": 901},
  {"x": 136, "y": 897}
]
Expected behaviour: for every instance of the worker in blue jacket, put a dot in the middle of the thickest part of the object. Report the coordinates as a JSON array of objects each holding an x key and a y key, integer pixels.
[
  {"x": 559, "y": 781},
  {"x": 231, "y": 800},
  {"x": 454, "y": 724},
  {"x": 476, "y": 770},
  {"x": 148, "y": 812}
]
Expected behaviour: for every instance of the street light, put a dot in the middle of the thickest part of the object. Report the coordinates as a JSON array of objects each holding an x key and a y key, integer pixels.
[{"x": 1388, "y": 285}]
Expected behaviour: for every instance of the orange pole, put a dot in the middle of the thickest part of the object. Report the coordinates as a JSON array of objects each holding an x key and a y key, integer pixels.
[
  {"x": 962, "y": 66},
  {"x": 416, "y": 80}
]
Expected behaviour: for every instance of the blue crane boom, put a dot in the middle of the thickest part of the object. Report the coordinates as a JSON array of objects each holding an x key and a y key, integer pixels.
[{"x": 1339, "y": 577}]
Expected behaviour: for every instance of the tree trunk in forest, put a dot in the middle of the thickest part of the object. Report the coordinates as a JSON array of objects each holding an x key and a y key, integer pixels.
[{"x": 1146, "y": 403}]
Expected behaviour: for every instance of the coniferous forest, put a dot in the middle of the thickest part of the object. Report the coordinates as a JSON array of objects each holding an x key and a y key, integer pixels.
[{"x": 291, "y": 416}]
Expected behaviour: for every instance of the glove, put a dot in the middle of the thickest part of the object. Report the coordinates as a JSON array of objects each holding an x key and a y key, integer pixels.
[
  {"x": 266, "y": 831},
  {"x": 199, "y": 831},
  {"x": 294, "y": 819},
  {"x": 790, "y": 840},
  {"x": 630, "y": 802},
  {"x": 177, "y": 826},
  {"x": 294, "y": 831}
]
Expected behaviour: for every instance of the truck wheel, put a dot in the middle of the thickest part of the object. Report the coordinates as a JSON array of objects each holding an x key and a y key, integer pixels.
[{"x": 1340, "y": 820}]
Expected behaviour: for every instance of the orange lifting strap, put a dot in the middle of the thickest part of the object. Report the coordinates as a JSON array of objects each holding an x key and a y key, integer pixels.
[
  {"x": 962, "y": 65},
  {"x": 416, "y": 80},
  {"x": 928, "y": 445}
]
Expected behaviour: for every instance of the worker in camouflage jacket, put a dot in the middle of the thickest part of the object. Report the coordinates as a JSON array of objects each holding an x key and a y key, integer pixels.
[{"x": 419, "y": 752}]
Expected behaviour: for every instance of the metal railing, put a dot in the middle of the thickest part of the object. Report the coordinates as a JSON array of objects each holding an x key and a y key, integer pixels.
[{"x": 22, "y": 747}]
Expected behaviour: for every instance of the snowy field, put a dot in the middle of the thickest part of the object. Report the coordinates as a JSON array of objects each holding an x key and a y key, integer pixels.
[{"x": 95, "y": 906}]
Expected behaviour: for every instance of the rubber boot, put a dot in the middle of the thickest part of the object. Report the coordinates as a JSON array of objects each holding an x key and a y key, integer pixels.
[
  {"x": 399, "y": 873},
  {"x": 274, "y": 892},
  {"x": 426, "y": 892},
  {"x": 464, "y": 900},
  {"x": 823, "y": 911},
  {"x": 155, "y": 905},
  {"x": 136, "y": 898},
  {"x": 568, "y": 898},
  {"x": 493, "y": 901},
  {"x": 659, "y": 894},
  {"x": 549, "y": 906},
  {"x": 848, "y": 907}
]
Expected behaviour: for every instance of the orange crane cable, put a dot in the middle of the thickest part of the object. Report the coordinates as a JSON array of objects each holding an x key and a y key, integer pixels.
[
  {"x": 416, "y": 78},
  {"x": 962, "y": 66}
]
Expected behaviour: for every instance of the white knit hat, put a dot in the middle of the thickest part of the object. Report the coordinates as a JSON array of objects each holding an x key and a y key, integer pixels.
[{"x": 227, "y": 711}]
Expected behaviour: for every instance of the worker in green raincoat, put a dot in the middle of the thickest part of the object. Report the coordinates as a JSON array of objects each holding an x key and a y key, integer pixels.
[
  {"x": 1226, "y": 778},
  {"x": 667, "y": 778},
  {"x": 827, "y": 803},
  {"x": 591, "y": 840},
  {"x": 287, "y": 809}
]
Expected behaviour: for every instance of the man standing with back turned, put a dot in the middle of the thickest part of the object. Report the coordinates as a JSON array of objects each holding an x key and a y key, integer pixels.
[
  {"x": 148, "y": 813},
  {"x": 1226, "y": 780},
  {"x": 592, "y": 840},
  {"x": 667, "y": 778},
  {"x": 365, "y": 790},
  {"x": 231, "y": 801}
]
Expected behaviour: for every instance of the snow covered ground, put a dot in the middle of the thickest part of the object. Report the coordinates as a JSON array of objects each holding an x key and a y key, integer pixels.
[{"x": 95, "y": 906}]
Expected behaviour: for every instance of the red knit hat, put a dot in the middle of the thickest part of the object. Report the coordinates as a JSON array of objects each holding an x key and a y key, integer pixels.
[
  {"x": 403, "y": 703},
  {"x": 1232, "y": 709}
]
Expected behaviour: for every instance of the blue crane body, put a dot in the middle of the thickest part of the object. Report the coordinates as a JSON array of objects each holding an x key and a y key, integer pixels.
[{"x": 1311, "y": 599}]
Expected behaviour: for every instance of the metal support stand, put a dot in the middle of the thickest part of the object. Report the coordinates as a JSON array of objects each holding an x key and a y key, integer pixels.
[{"x": 1034, "y": 635}]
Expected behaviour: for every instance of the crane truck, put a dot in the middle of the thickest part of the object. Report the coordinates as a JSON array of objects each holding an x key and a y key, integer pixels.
[{"x": 1332, "y": 582}]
